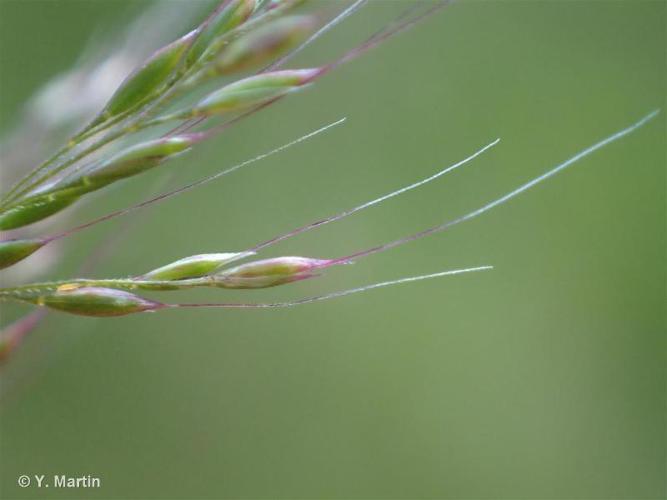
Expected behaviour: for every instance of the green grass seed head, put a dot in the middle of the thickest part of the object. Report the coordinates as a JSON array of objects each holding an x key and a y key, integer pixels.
[
  {"x": 146, "y": 80},
  {"x": 234, "y": 13},
  {"x": 254, "y": 91},
  {"x": 132, "y": 161},
  {"x": 194, "y": 266},
  {"x": 37, "y": 207},
  {"x": 13, "y": 251},
  {"x": 136, "y": 160},
  {"x": 264, "y": 44},
  {"x": 270, "y": 272},
  {"x": 94, "y": 301}
]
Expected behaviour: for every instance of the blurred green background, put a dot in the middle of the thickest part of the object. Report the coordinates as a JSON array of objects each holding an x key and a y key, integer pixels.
[{"x": 544, "y": 378}]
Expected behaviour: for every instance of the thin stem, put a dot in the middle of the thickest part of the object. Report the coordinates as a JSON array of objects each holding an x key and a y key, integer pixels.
[
  {"x": 35, "y": 290},
  {"x": 387, "y": 33},
  {"x": 17, "y": 189}
]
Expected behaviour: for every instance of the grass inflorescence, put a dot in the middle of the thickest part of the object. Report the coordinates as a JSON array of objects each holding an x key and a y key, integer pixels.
[{"x": 250, "y": 42}]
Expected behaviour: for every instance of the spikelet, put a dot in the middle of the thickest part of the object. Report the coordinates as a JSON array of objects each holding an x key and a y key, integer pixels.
[
  {"x": 234, "y": 13},
  {"x": 96, "y": 301},
  {"x": 264, "y": 44},
  {"x": 132, "y": 161},
  {"x": 36, "y": 208},
  {"x": 270, "y": 272},
  {"x": 147, "y": 80},
  {"x": 194, "y": 266},
  {"x": 13, "y": 251},
  {"x": 253, "y": 91}
]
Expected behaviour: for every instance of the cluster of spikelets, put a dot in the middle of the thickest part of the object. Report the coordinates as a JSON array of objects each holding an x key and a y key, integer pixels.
[{"x": 240, "y": 36}]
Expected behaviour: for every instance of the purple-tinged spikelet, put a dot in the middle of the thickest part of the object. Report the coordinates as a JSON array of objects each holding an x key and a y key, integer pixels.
[
  {"x": 264, "y": 44},
  {"x": 271, "y": 272},
  {"x": 254, "y": 91}
]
